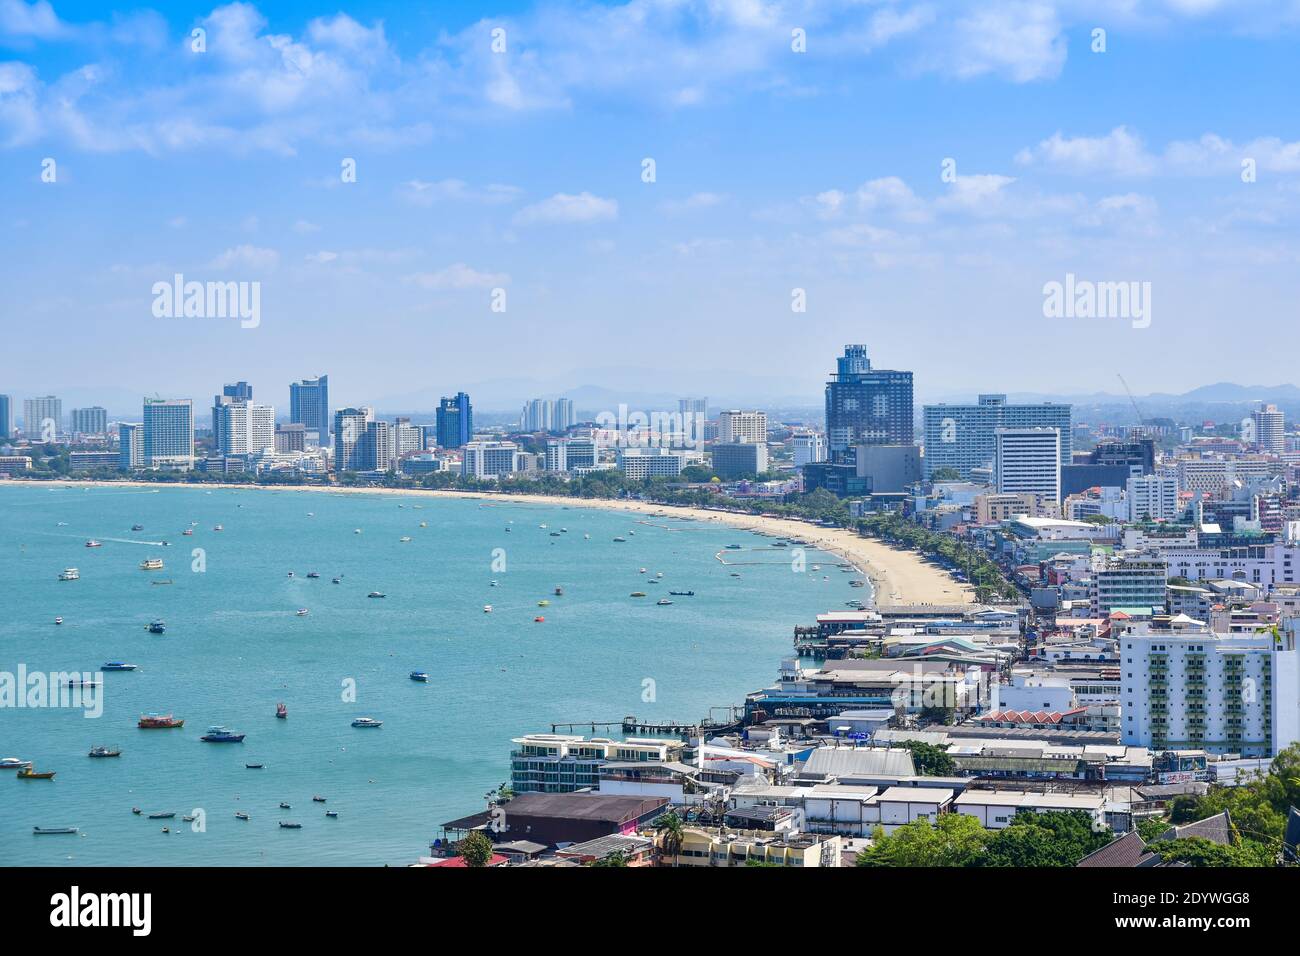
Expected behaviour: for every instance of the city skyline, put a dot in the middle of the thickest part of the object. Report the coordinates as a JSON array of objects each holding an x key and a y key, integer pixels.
[{"x": 912, "y": 173}]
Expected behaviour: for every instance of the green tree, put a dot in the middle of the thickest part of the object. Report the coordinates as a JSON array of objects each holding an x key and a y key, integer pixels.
[
  {"x": 617, "y": 858},
  {"x": 930, "y": 760},
  {"x": 1197, "y": 851},
  {"x": 476, "y": 849},
  {"x": 958, "y": 839},
  {"x": 670, "y": 833},
  {"x": 1045, "y": 839}
]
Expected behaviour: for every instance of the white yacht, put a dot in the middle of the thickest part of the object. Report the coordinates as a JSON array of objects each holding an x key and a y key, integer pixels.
[{"x": 69, "y": 574}]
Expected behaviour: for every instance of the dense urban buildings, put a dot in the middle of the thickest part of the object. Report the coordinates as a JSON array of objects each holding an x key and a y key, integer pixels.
[
  {"x": 547, "y": 415},
  {"x": 168, "y": 434},
  {"x": 349, "y": 430},
  {"x": 43, "y": 418},
  {"x": 1028, "y": 460},
  {"x": 740, "y": 426},
  {"x": 90, "y": 421}
]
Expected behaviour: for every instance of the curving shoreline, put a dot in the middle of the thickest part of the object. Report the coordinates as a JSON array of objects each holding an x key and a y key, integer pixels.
[{"x": 897, "y": 577}]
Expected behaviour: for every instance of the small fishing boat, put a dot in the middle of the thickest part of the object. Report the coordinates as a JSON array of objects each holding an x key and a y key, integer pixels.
[
  {"x": 285, "y": 806},
  {"x": 137, "y": 811},
  {"x": 539, "y": 620},
  {"x": 290, "y": 574},
  {"x": 163, "y": 815},
  {"x": 331, "y": 813},
  {"x": 92, "y": 543},
  {"x": 151, "y": 564},
  {"x": 81, "y": 682},
  {"x": 157, "y": 627},
  {"x": 367, "y": 722},
  {"x": 286, "y": 825},
  {"x": 336, "y": 580},
  {"x": 376, "y": 594},
  {"x": 420, "y": 676},
  {"x": 137, "y": 527},
  {"x": 313, "y": 574},
  {"x": 104, "y": 752},
  {"x": 404, "y": 538},
  {"x": 47, "y": 831},
  {"x": 217, "y": 527},
  {"x": 662, "y": 601},
  {"x": 543, "y": 603},
  {"x": 58, "y": 620},
  {"x": 188, "y": 532},
  {"x": 682, "y": 593},
  {"x": 220, "y": 735},
  {"x": 555, "y": 534},
  {"x": 317, "y": 799},
  {"x": 281, "y": 711},
  {"x": 241, "y": 815},
  {"x": 301, "y": 612},
  {"x": 27, "y": 773},
  {"x": 69, "y": 574},
  {"x": 254, "y": 766},
  {"x": 559, "y": 591},
  {"x": 620, "y": 540},
  {"x": 188, "y": 817},
  {"x": 356, "y": 530},
  {"x": 163, "y": 581},
  {"x": 640, "y": 571},
  {"x": 638, "y": 594}
]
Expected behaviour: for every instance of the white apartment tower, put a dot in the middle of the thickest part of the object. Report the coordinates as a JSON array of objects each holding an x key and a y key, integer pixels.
[
  {"x": 1152, "y": 498},
  {"x": 1028, "y": 460},
  {"x": 736, "y": 425}
]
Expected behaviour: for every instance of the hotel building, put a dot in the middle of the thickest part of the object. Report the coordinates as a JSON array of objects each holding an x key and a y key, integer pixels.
[
  {"x": 309, "y": 405},
  {"x": 1028, "y": 460},
  {"x": 866, "y": 406},
  {"x": 563, "y": 763},
  {"x": 169, "y": 433},
  {"x": 962, "y": 437}
]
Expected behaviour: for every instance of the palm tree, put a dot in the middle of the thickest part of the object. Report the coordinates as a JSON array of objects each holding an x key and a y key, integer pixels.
[{"x": 670, "y": 834}]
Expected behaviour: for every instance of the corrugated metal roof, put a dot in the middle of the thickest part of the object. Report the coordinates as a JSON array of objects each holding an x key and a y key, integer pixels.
[{"x": 846, "y": 762}]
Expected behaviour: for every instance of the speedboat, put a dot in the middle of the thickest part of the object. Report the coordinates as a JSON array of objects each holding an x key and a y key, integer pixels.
[
  {"x": 313, "y": 574},
  {"x": 290, "y": 574},
  {"x": 188, "y": 532},
  {"x": 14, "y": 763},
  {"x": 301, "y": 612},
  {"x": 46, "y": 831},
  {"x": 104, "y": 752},
  {"x": 487, "y": 608},
  {"x": 336, "y": 580},
  {"x": 69, "y": 574},
  {"x": 331, "y": 813},
  {"x": 356, "y": 530},
  {"x": 137, "y": 527},
  {"x": 420, "y": 676},
  {"x": 620, "y": 540},
  {"x": 151, "y": 564},
  {"x": 376, "y": 594},
  {"x": 285, "y": 806},
  {"x": 543, "y": 603},
  {"x": 662, "y": 601},
  {"x": 92, "y": 543},
  {"x": 539, "y": 620},
  {"x": 157, "y": 627},
  {"x": 241, "y": 815},
  {"x": 117, "y": 666},
  {"x": 218, "y": 528},
  {"x": 404, "y": 539},
  {"x": 220, "y": 735},
  {"x": 367, "y": 722}
]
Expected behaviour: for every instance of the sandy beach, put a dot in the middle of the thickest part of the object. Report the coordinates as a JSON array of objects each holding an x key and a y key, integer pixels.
[{"x": 898, "y": 577}]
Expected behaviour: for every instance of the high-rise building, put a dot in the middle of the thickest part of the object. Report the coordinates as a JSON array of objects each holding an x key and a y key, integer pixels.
[
  {"x": 739, "y": 459},
  {"x": 809, "y": 448},
  {"x": 42, "y": 418},
  {"x": 6, "y": 417},
  {"x": 290, "y": 437},
  {"x": 309, "y": 405},
  {"x": 1152, "y": 498},
  {"x": 231, "y": 392},
  {"x": 130, "y": 450},
  {"x": 736, "y": 425},
  {"x": 637, "y": 464},
  {"x": 693, "y": 408},
  {"x": 243, "y": 428},
  {"x": 1196, "y": 689},
  {"x": 1028, "y": 460},
  {"x": 407, "y": 438},
  {"x": 488, "y": 459},
  {"x": 566, "y": 454},
  {"x": 1270, "y": 429},
  {"x": 455, "y": 421},
  {"x": 349, "y": 429},
  {"x": 866, "y": 406},
  {"x": 90, "y": 421},
  {"x": 960, "y": 437},
  {"x": 375, "y": 448},
  {"x": 169, "y": 433},
  {"x": 547, "y": 415}
]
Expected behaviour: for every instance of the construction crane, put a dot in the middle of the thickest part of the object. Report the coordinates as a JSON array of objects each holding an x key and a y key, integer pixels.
[{"x": 1141, "y": 418}]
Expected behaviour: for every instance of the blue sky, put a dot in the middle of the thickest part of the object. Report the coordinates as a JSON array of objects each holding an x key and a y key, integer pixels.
[{"x": 522, "y": 171}]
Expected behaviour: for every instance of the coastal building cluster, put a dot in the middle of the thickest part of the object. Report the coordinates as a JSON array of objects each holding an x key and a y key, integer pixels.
[{"x": 1123, "y": 654}]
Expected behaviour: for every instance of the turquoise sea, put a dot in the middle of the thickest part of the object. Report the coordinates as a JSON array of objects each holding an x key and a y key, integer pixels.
[{"x": 235, "y": 646}]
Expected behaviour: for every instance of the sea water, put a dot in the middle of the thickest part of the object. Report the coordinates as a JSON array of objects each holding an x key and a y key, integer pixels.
[{"x": 235, "y": 646}]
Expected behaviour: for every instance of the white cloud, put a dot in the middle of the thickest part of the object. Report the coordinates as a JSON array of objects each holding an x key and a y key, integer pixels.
[
  {"x": 35, "y": 20},
  {"x": 693, "y": 202},
  {"x": 247, "y": 256},
  {"x": 421, "y": 193},
  {"x": 458, "y": 276},
  {"x": 1120, "y": 152},
  {"x": 567, "y": 208}
]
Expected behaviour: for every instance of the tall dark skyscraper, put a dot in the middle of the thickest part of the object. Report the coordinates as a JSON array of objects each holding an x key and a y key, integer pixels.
[
  {"x": 6, "y": 417},
  {"x": 455, "y": 421},
  {"x": 866, "y": 406},
  {"x": 309, "y": 405}
]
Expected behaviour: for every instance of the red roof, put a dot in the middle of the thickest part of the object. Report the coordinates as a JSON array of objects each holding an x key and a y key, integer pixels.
[
  {"x": 1032, "y": 716},
  {"x": 459, "y": 862}
]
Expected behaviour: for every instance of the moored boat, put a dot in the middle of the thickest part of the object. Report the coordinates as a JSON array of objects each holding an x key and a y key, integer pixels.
[
  {"x": 157, "y": 627},
  {"x": 286, "y": 825},
  {"x": 281, "y": 710},
  {"x": 117, "y": 666},
  {"x": 14, "y": 763},
  {"x": 159, "y": 722},
  {"x": 241, "y": 815},
  {"x": 220, "y": 735},
  {"x": 162, "y": 815},
  {"x": 367, "y": 722},
  {"x": 420, "y": 676},
  {"x": 28, "y": 773},
  {"x": 58, "y": 620},
  {"x": 69, "y": 574},
  {"x": 151, "y": 564},
  {"x": 46, "y": 831},
  {"x": 92, "y": 543},
  {"x": 104, "y": 752},
  {"x": 376, "y": 594}
]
